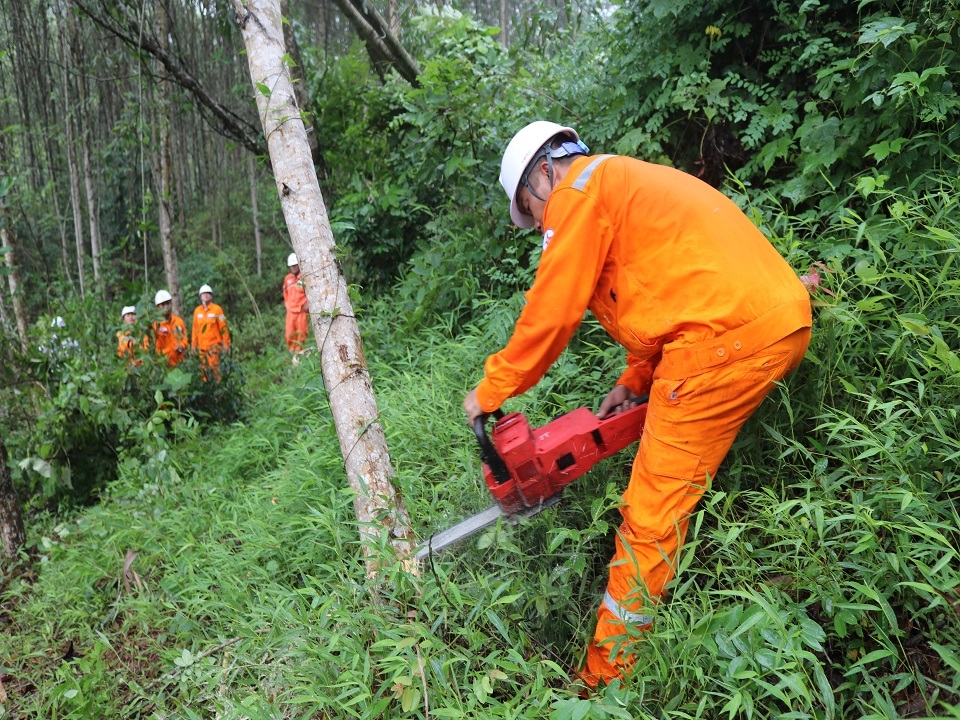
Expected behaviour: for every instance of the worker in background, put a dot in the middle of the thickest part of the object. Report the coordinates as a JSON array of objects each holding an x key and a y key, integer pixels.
[
  {"x": 295, "y": 300},
  {"x": 209, "y": 335},
  {"x": 709, "y": 313},
  {"x": 126, "y": 345},
  {"x": 170, "y": 334}
]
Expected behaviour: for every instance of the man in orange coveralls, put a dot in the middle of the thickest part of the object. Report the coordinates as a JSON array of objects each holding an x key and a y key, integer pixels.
[
  {"x": 170, "y": 334},
  {"x": 126, "y": 346},
  {"x": 209, "y": 335},
  {"x": 295, "y": 300},
  {"x": 710, "y": 315}
]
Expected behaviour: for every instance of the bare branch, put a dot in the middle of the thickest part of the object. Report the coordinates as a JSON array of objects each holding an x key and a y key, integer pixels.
[
  {"x": 230, "y": 124},
  {"x": 381, "y": 43}
]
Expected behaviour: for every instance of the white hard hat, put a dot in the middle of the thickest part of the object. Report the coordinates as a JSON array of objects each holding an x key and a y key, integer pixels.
[
  {"x": 128, "y": 309},
  {"x": 205, "y": 288},
  {"x": 521, "y": 150},
  {"x": 292, "y": 260},
  {"x": 162, "y": 297}
]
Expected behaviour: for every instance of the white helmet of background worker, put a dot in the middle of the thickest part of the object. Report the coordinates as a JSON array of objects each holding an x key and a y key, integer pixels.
[
  {"x": 526, "y": 146},
  {"x": 162, "y": 296},
  {"x": 205, "y": 288},
  {"x": 127, "y": 309},
  {"x": 292, "y": 260}
]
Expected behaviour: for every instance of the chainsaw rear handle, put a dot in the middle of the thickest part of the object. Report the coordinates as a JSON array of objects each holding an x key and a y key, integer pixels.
[{"x": 488, "y": 453}]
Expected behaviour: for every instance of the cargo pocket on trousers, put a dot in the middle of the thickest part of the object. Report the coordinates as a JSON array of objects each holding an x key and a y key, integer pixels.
[{"x": 664, "y": 489}]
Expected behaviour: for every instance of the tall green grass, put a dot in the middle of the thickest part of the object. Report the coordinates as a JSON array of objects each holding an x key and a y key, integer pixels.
[{"x": 820, "y": 578}]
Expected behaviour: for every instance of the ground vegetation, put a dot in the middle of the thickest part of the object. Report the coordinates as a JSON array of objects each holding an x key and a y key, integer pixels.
[{"x": 190, "y": 547}]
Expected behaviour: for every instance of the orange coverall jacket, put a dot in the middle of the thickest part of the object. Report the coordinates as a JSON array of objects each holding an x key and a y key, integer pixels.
[
  {"x": 170, "y": 338},
  {"x": 663, "y": 260},
  {"x": 127, "y": 346},
  {"x": 209, "y": 328},
  {"x": 711, "y": 317},
  {"x": 294, "y": 298}
]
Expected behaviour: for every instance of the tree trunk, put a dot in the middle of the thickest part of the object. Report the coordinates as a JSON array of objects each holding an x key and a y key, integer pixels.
[
  {"x": 393, "y": 17},
  {"x": 83, "y": 103},
  {"x": 504, "y": 25},
  {"x": 72, "y": 163},
  {"x": 252, "y": 171},
  {"x": 12, "y": 535},
  {"x": 92, "y": 210},
  {"x": 382, "y": 44},
  {"x": 377, "y": 504},
  {"x": 64, "y": 250},
  {"x": 170, "y": 264},
  {"x": 302, "y": 91},
  {"x": 178, "y": 160},
  {"x": 9, "y": 241}
]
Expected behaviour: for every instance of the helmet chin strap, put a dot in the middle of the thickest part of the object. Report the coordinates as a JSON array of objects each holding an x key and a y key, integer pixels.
[
  {"x": 566, "y": 149},
  {"x": 549, "y": 178}
]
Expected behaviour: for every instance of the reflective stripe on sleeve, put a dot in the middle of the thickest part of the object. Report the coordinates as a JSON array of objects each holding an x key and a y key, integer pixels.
[
  {"x": 588, "y": 171},
  {"x": 624, "y": 614}
]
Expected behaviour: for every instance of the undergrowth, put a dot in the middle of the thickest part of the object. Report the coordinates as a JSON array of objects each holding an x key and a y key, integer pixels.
[{"x": 819, "y": 581}]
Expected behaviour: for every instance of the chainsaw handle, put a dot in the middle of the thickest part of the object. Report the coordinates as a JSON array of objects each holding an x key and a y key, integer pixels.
[{"x": 488, "y": 453}]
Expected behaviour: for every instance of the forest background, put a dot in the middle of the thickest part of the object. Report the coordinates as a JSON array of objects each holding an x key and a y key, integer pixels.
[{"x": 190, "y": 547}]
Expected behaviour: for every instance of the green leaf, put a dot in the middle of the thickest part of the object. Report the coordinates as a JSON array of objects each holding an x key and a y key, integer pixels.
[
  {"x": 948, "y": 655},
  {"x": 263, "y": 89},
  {"x": 886, "y": 31},
  {"x": 409, "y": 699}
]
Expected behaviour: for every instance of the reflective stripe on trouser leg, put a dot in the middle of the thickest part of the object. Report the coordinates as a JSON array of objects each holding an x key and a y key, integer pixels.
[
  {"x": 625, "y": 615},
  {"x": 690, "y": 426}
]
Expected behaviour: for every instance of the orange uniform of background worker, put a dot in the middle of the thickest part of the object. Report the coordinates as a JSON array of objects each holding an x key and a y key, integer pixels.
[
  {"x": 126, "y": 345},
  {"x": 295, "y": 301},
  {"x": 210, "y": 336},
  {"x": 170, "y": 334},
  {"x": 709, "y": 313}
]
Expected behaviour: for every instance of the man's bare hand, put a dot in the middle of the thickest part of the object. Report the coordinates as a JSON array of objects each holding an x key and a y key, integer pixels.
[
  {"x": 471, "y": 406},
  {"x": 613, "y": 403}
]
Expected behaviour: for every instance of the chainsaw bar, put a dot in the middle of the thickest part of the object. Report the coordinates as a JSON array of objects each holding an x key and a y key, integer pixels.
[{"x": 475, "y": 524}]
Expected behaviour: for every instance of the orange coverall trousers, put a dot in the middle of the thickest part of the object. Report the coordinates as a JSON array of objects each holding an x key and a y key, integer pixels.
[
  {"x": 692, "y": 421},
  {"x": 296, "y": 330}
]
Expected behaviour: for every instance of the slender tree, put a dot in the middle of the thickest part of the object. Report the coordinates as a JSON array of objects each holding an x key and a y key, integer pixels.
[
  {"x": 71, "y": 155},
  {"x": 8, "y": 241},
  {"x": 170, "y": 264},
  {"x": 3, "y": 308},
  {"x": 83, "y": 107},
  {"x": 377, "y": 504},
  {"x": 12, "y": 535},
  {"x": 252, "y": 172}
]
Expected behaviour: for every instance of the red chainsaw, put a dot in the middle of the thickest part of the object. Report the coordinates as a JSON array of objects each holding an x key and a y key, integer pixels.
[{"x": 526, "y": 469}]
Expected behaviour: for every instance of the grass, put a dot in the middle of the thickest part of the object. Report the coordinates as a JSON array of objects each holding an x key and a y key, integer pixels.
[{"x": 819, "y": 581}]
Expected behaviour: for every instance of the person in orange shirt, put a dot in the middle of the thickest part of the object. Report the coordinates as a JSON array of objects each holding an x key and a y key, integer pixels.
[
  {"x": 295, "y": 301},
  {"x": 710, "y": 316},
  {"x": 210, "y": 336},
  {"x": 170, "y": 334},
  {"x": 126, "y": 346}
]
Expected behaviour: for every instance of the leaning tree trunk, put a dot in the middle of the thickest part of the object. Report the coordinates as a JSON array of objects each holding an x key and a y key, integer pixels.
[
  {"x": 11, "y": 517},
  {"x": 377, "y": 504}
]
